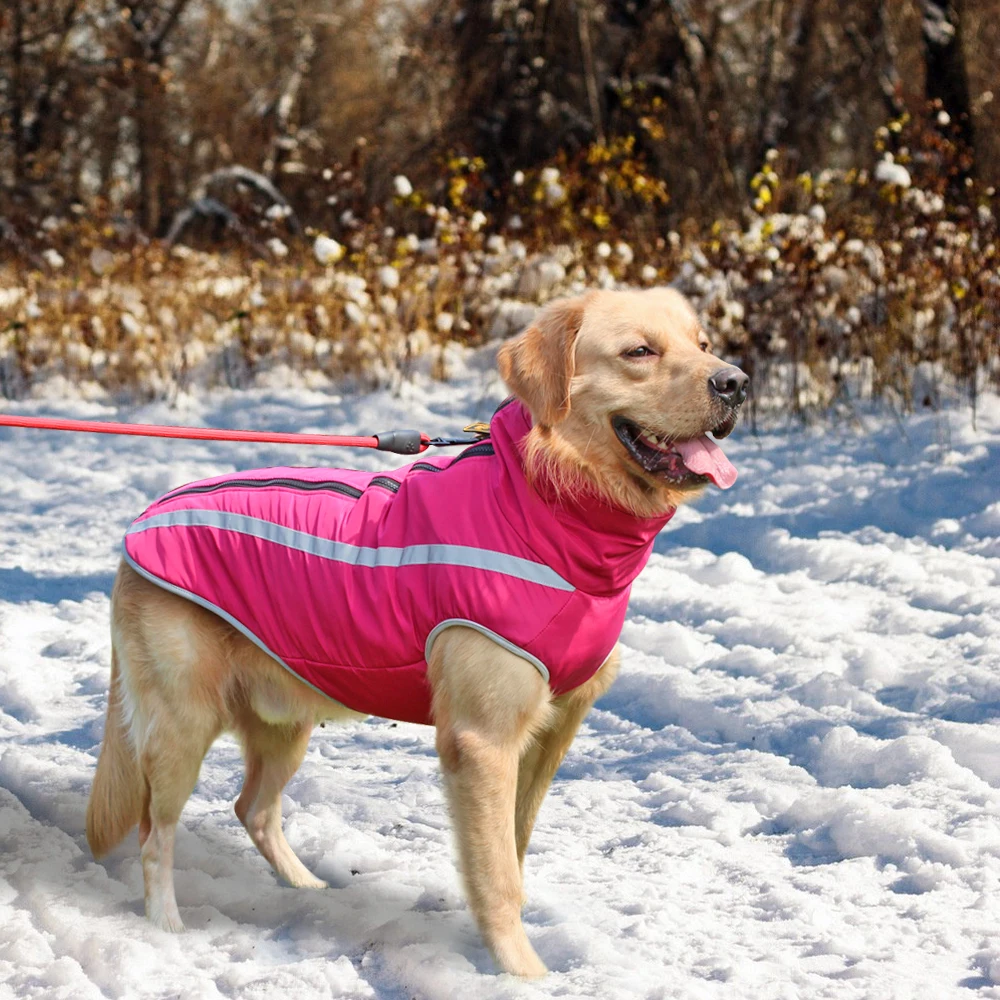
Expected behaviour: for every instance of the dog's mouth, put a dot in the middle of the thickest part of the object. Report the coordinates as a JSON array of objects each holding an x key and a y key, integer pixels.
[{"x": 680, "y": 463}]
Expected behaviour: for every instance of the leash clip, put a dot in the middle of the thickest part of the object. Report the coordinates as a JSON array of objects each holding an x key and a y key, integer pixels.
[{"x": 479, "y": 432}]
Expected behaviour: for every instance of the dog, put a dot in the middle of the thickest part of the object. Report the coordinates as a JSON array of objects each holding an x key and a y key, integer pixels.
[{"x": 493, "y": 584}]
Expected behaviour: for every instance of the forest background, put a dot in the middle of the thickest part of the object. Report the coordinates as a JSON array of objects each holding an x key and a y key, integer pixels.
[{"x": 196, "y": 192}]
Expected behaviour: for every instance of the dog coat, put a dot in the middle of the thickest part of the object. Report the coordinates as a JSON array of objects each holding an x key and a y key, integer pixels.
[{"x": 346, "y": 577}]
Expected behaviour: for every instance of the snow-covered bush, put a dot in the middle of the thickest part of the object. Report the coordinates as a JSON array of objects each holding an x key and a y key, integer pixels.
[{"x": 836, "y": 286}]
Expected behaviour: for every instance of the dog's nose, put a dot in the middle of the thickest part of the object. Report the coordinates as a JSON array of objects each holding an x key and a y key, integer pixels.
[{"x": 729, "y": 384}]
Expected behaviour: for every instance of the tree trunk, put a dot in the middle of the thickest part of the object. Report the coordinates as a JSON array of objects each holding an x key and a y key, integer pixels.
[
  {"x": 146, "y": 137},
  {"x": 947, "y": 81},
  {"x": 784, "y": 121},
  {"x": 17, "y": 99}
]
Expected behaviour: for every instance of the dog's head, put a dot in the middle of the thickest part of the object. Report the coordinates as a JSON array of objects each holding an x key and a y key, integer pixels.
[{"x": 623, "y": 389}]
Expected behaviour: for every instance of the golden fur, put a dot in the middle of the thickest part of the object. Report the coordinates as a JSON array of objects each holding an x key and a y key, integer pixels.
[
  {"x": 568, "y": 368},
  {"x": 180, "y": 675}
]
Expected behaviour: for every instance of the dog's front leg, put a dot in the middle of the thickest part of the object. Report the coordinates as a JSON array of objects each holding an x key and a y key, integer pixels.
[
  {"x": 544, "y": 754},
  {"x": 487, "y": 704}
]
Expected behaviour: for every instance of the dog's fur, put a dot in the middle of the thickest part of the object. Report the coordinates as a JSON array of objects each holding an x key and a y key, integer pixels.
[{"x": 180, "y": 675}]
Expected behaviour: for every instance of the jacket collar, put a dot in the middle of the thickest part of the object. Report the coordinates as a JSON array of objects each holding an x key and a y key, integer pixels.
[{"x": 599, "y": 548}]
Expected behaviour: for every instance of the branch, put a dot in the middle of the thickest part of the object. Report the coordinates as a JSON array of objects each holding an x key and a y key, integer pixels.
[
  {"x": 160, "y": 37},
  {"x": 208, "y": 208},
  {"x": 202, "y": 203}
]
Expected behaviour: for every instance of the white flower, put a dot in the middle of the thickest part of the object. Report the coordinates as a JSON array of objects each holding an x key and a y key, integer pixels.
[
  {"x": 278, "y": 212},
  {"x": 101, "y": 261},
  {"x": 514, "y": 222},
  {"x": 550, "y": 175},
  {"x": 444, "y": 322},
  {"x": 825, "y": 251},
  {"x": 477, "y": 221},
  {"x": 302, "y": 343},
  {"x": 943, "y": 118},
  {"x": 418, "y": 342},
  {"x": 353, "y": 287},
  {"x": 603, "y": 250},
  {"x": 496, "y": 243},
  {"x": 518, "y": 178},
  {"x": 129, "y": 324},
  {"x": 624, "y": 253},
  {"x": 772, "y": 253},
  {"x": 412, "y": 242},
  {"x": 554, "y": 193},
  {"x": 895, "y": 174},
  {"x": 388, "y": 277},
  {"x": 818, "y": 214},
  {"x": 354, "y": 313},
  {"x": 53, "y": 258},
  {"x": 78, "y": 354},
  {"x": 854, "y": 246},
  {"x": 327, "y": 250},
  {"x": 277, "y": 248},
  {"x": 327, "y": 174},
  {"x": 402, "y": 186},
  {"x": 649, "y": 274}
]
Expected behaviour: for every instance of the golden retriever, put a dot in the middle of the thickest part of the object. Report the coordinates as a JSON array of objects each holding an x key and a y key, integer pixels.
[{"x": 612, "y": 380}]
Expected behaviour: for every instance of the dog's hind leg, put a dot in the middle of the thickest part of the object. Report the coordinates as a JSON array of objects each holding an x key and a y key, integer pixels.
[
  {"x": 170, "y": 765},
  {"x": 273, "y": 754},
  {"x": 542, "y": 757},
  {"x": 487, "y": 703}
]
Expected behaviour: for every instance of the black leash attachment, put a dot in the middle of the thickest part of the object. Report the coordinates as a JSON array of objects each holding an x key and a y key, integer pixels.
[
  {"x": 478, "y": 432},
  {"x": 413, "y": 442}
]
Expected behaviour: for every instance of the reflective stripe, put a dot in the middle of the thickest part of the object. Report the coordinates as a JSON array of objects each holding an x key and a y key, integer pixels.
[
  {"x": 357, "y": 555},
  {"x": 490, "y": 634},
  {"x": 235, "y": 622}
]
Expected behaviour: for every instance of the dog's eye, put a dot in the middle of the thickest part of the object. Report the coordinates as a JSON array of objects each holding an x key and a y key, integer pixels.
[
  {"x": 639, "y": 352},
  {"x": 704, "y": 346}
]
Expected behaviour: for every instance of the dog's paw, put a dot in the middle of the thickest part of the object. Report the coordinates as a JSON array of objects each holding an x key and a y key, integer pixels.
[
  {"x": 308, "y": 881},
  {"x": 166, "y": 921},
  {"x": 518, "y": 958}
]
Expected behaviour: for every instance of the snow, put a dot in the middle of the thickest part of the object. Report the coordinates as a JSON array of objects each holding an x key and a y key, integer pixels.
[{"x": 792, "y": 790}]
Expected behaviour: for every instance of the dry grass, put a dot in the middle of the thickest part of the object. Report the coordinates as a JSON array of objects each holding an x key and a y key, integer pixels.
[{"x": 836, "y": 287}]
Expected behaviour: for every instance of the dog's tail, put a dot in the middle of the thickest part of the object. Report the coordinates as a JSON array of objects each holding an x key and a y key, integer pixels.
[{"x": 118, "y": 793}]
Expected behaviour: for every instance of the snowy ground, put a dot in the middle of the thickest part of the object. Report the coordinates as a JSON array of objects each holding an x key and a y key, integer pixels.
[{"x": 791, "y": 792}]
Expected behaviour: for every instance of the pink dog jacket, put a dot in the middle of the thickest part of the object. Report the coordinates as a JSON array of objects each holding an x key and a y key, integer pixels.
[{"x": 347, "y": 577}]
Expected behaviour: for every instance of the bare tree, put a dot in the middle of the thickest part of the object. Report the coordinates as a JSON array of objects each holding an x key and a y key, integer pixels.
[{"x": 947, "y": 82}]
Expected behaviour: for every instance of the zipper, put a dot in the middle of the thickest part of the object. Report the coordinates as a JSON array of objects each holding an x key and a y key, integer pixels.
[
  {"x": 385, "y": 482},
  {"x": 477, "y": 450},
  {"x": 294, "y": 484}
]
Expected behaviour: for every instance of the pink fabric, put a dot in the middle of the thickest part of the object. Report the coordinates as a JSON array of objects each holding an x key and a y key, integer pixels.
[{"x": 357, "y": 632}]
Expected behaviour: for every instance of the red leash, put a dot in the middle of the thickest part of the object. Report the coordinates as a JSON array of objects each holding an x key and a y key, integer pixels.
[{"x": 400, "y": 442}]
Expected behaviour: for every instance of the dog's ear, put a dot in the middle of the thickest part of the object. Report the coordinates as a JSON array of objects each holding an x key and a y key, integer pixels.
[{"x": 538, "y": 364}]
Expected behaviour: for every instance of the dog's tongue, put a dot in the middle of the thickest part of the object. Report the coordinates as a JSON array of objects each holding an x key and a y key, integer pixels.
[{"x": 704, "y": 457}]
